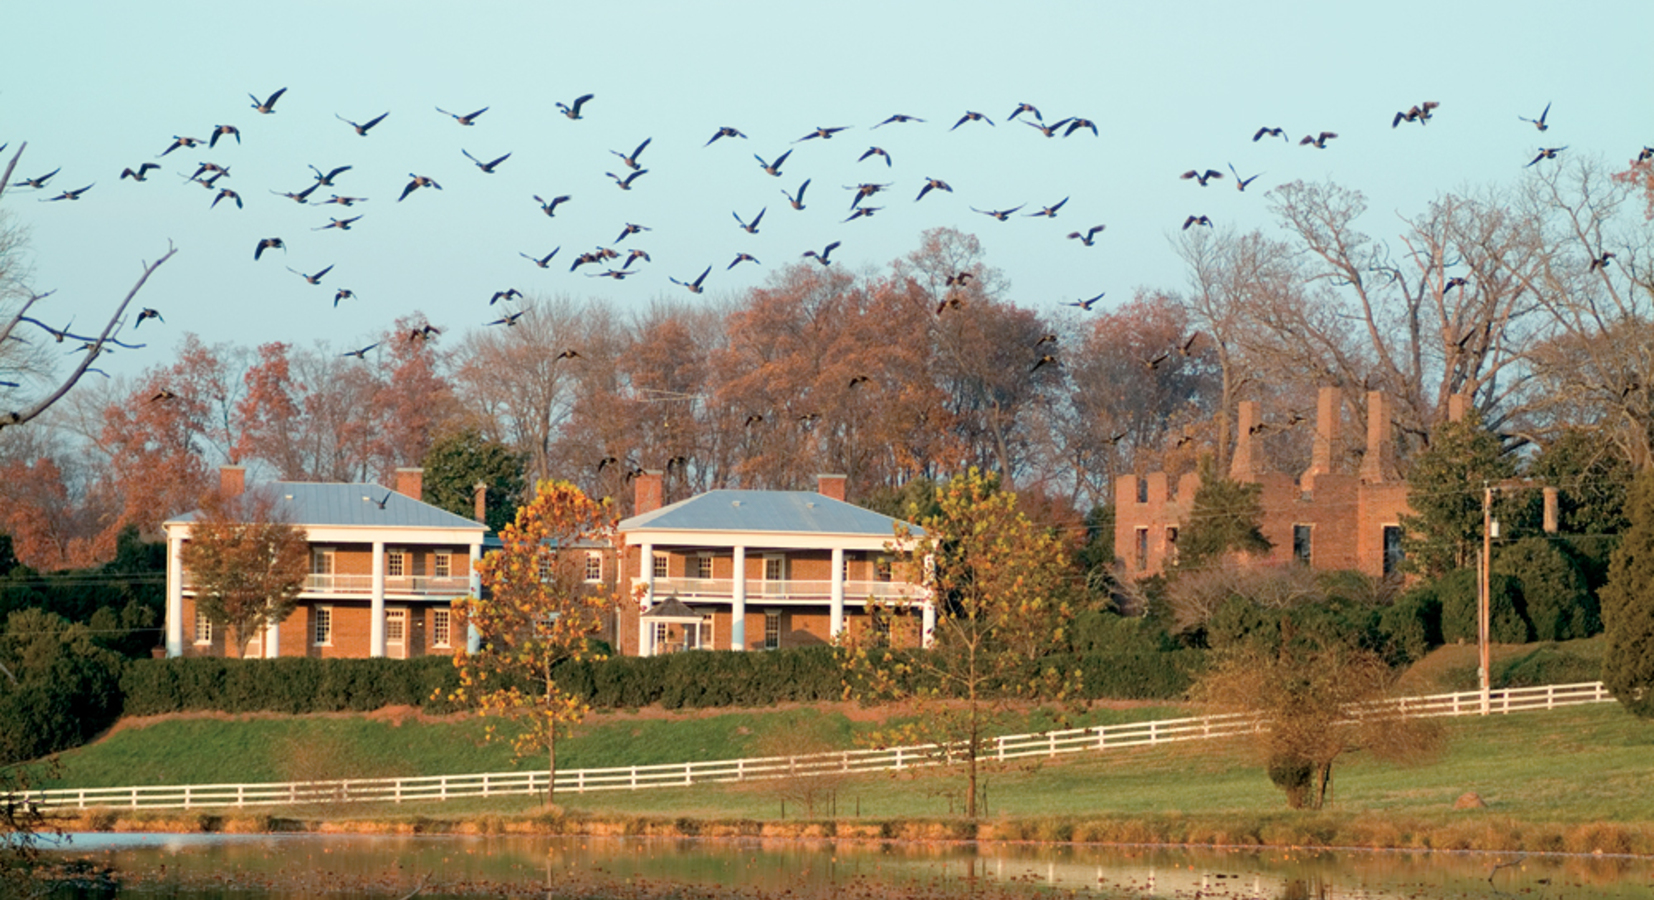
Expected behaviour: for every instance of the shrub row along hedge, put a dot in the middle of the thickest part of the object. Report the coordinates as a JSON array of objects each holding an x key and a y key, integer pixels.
[
  {"x": 287, "y": 685},
  {"x": 694, "y": 679}
]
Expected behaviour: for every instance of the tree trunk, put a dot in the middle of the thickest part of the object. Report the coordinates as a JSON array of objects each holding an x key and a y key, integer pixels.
[{"x": 551, "y": 763}]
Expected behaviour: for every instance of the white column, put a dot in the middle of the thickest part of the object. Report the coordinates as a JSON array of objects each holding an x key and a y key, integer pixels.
[
  {"x": 738, "y": 606},
  {"x": 272, "y": 639},
  {"x": 175, "y": 595},
  {"x": 646, "y": 634},
  {"x": 473, "y": 637},
  {"x": 928, "y": 632},
  {"x": 376, "y": 631},
  {"x": 835, "y": 625}
]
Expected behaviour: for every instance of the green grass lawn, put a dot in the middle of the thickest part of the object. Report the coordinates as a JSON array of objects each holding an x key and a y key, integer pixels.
[{"x": 218, "y": 750}]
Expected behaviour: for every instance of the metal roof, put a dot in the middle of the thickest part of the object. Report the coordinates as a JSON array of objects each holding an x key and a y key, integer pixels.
[
  {"x": 790, "y": 512},
  {"x": 307, "y": 503}
]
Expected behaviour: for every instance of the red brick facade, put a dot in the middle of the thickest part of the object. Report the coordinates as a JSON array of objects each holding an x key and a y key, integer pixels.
[{"x": 1328, "y": 518}]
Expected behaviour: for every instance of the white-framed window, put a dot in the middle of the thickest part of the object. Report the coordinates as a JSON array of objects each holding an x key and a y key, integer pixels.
[
  {"x": 594, "y": 565},
  {"x": 203, "y": 628},
  {"x": 442, "y": 563},
  {"x": 703, "y": 567},
  {"x": 321, "y": 560},
  {"x": 543, "y": 564},
  {"x": 882, "y": 568},
  {"x": 775, "y": 568},
  {"x": 660, "y": 565},
  {"x": 396, "y": 563},
  {"x": 705, "y": 641},
  {"x": 881, "y": 628},
  {"x": 772, "y": 629},
  {"x": 321, "y": 626},
  {"x": 396, "y": 626},
  {"x": 844, "y": 569},
  {"x": 660, "y": 634},
  {"x": 441, "y": 627}
]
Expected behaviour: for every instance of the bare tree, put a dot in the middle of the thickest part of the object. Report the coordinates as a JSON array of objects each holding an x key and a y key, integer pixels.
[
  {"x": 1596, "y": 368},
  {"x": 52, "y": 389}
]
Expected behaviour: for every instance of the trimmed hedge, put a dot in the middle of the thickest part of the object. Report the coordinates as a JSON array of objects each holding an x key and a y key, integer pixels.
[
  {"x": 693, "y": 679},
  {"x": 287, "y": 685}
]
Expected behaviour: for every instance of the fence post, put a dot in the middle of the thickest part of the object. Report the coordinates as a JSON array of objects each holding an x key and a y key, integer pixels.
[
  {"x": 634, "y": 778},
  {"x": 1102, "y": 737},
  {"x": 898, "y": 759},
  {"x": 1053, "y": 737},
  {"x": 1154, "y": 733},
  {"x": 241, "y": 795}
]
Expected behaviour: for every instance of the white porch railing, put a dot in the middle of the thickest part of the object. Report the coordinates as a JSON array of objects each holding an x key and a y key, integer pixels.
[
  {"x": 410, "y": 584},
  {"x": 790, "y": 589},
  {"x": 1050, "y": 744}
]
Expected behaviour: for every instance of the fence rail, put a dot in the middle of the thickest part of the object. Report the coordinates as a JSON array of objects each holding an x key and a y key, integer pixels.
[{"x": 1050, "y": 743}]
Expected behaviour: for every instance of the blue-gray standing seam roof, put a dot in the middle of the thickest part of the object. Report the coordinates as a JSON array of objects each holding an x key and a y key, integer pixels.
[
  {"x": 353, "y": 504},
  {"x": 765, "y": 511}
]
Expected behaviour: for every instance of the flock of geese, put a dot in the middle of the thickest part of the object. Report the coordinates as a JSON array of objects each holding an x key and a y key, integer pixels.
[{"x": 609, "y": 261}]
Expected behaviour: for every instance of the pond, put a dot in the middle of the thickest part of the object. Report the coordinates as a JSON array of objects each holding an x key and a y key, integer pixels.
[{"x": 308, "y": 865}]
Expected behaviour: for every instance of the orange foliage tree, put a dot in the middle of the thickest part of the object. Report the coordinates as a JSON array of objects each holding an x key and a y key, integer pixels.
[
  {"x": 246, "y": 565},
  {"x": 1001, "y": 588},
  {"x": 537, "y": 612}
]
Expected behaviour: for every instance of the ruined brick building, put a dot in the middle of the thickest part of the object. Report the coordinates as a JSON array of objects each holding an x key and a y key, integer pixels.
[{"x": 1325, "y": 517}]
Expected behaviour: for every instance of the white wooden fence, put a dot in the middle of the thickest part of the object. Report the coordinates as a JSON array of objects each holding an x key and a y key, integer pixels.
[{"x": 1050, "y": 743}]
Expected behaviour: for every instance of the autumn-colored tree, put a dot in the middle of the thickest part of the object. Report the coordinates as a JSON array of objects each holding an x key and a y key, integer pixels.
[
  {"x": 1122, "y": 410},
  {"x": 1001, "y": 591},
  {"x": 537, "y": 612},
  {"x": 1315, "y": 699},
  {"x": 416, "y": 401},
  {"x": 247, "y": 566}
]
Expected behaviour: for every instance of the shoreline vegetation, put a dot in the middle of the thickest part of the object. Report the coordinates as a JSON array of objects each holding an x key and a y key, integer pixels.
[{"x": 1320, "y": 830}]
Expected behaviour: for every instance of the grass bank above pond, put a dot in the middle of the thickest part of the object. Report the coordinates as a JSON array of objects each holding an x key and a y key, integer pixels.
[{"x": 1578, "y": 779}]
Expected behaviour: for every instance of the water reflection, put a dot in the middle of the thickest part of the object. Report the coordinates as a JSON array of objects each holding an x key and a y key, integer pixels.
[{"x": 278, "y": 866}]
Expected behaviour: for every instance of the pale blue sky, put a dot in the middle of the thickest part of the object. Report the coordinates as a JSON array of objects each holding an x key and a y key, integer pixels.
[{"x": 94, "y": 88}]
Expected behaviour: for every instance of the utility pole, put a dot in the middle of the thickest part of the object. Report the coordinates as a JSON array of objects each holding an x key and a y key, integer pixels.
[{"x": 1483, "y": 619}]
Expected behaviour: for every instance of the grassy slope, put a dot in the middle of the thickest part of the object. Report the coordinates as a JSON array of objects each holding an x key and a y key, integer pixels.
[
  {"x": 1571, "y": 766},
  {"x": 214, "y": 750}
]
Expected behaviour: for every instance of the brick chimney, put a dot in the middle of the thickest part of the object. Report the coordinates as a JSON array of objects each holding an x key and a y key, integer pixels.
[
  {"x": 480, "y": 501},
  {"x": 410, "y": 482},
  {"x": 1457, "y": 404},
  {"x": 232, "y": 480},
  {"x": 1329, "y": 409},
  {"x": 1241, "y": 467},
  {"x": 1379, "y": 464},
  {"x": 830, "y": 486},
  {"x": 647, "y": 491}
]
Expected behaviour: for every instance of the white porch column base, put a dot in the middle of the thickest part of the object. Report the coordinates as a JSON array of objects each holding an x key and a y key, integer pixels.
[
  {"x": 175, "y": 596},
  {"x": 835, "y": 626},
  {"x": 738, "y": 607},
  {"x": 272, "y": 639},
  {"x": 928, "y": 631},
  {"x": 376, "y": 630}
]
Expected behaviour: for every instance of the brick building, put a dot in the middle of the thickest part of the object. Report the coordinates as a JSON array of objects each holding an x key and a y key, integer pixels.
[
  {"x": 385, "y": 568},
  {"x": 1326, "y": 517},
  {"x": 758, "y": 570}
]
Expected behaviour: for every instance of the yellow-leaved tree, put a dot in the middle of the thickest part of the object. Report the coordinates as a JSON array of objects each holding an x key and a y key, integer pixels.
[
  {"x": 537, "y": 611},
  {"x": 1001, "y": 586}
]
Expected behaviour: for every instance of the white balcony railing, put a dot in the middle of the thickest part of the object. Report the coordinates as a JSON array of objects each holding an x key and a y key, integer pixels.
[
  {"x": 447, "y": 585},
  {"x": 724, "y": 589},
  {"x": 362, "y": 585}
]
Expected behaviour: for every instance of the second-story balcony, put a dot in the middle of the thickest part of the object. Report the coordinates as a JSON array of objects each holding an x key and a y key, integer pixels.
[
  {"x": 784, "y": 590},
  {"x": 362, "y": 585},
  {"x": 433, "y": 585}
]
